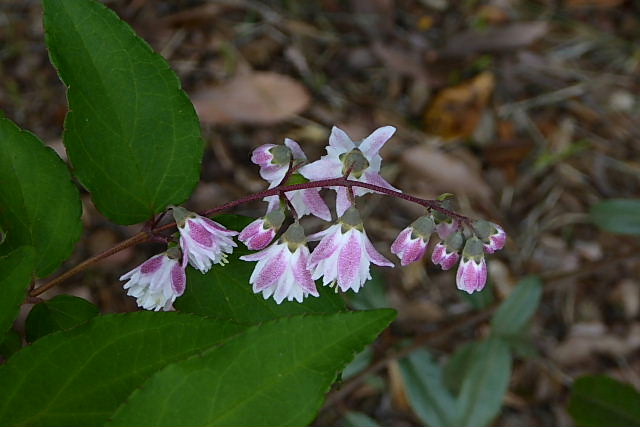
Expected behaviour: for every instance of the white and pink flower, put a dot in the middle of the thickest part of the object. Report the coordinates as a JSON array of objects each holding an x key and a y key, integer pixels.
[
  {"x": 344, "y": 254},
  {"x": 261, "y": 232},
  {"x": 446, "y": 254},
  {"x": 472, "y": 271},
  {"x": 497, "y": 239},
  {"x": 274, "y": 163},
  {"x": 281, "y": 270},
  {"x": 157, "y": 282},
  {"x": 411, "y": 243},
  {"x": 362, "y": 161},
  {"x": 203, "y": 241}
]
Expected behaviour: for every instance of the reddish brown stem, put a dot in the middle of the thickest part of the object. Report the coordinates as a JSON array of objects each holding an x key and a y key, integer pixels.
[{"x": 147, "y": 235}]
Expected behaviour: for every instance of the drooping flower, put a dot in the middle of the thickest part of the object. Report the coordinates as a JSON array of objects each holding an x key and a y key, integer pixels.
[
  {"x": 157, "y": 282},
  {"x": 447, "y": 253},
  {"x": 492, "y": 235},
  {"x": 344, "y": 254},
  {"x": 362, "y": 161},
  {"x": 411, "y": 243},
  {"x": 281, "y": 270},
  {"x": 445, "y": 225},
  {"x": 274, "y": 161},
  {"x": 261, "y": 232},
  {"x": 472, "y": 271},
  {"x": 203, "y": 241}
]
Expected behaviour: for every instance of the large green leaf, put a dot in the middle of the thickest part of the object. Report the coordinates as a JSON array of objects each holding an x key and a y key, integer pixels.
[
  {"x": 485, "y": 384},
  {"x": 599, "y": 401},
  {"x": 78, "y": 377},
  {"x": 39, "y": 205},
  {"x": 276, "y": 373},
  {"x": 428, "y": 396},
  {"x": 515, "y": 312},
  {"x": 60, "y": 312},
  {"x": 132, "y": 134},
  {"x": 16, "y": 270},
  {"x": 618, "y": 215},
  {"x": 225, "y": 293}
]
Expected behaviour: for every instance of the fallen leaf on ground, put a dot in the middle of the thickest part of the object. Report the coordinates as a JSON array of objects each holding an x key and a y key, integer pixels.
[
  {"x": 456, "y": 111},
  {"x": 508, "y": 37},
  {"x": 443, "y": 172},
  {"x": 256, "y": 98}
]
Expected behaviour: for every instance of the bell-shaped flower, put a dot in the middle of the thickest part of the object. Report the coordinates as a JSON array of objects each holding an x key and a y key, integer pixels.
[
  {"x": 447, "y": 253},
  {"x": 344, "y": 254},
  {"x": 203, "y": 241},
  {"x": 281, "y": 270},
  {"x": 157, "y": 282},
  {"x": 274, "y": 161},
  {"x": 472, "y": 271},
  {"x": 361, "y": 160},
  {"x": 492, "y": 235},
  {"x": 261, "y": 232},
  {"x": 411, "y": 243}
]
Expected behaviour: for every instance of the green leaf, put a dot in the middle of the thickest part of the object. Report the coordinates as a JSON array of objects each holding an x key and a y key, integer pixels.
[
  {"x": 225, "y": 293},
  {"x": 618, "y": 216},
  {"x": 60, "y": 312},
  {"x": 16, "y": 269},
  {"x": 515, "y": 312},
  {"x": 276, "y": 374},
  {"x": 425, "y": 387},
  {"x": 457, "y": 368},
  {"x": 40, "y": 206},
  {"x": 485, "y": 384},
  {"x": 598, "y": 400},
  {"x": 132, "y": 134},
  {"x": 78, "y": 377},
  {"x": 373, "y": 295},
  {"x": 11, "y": 342}
]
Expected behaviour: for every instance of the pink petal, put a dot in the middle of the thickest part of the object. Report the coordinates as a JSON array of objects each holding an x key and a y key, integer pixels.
[
  {"x": 261, "y": 240},
  {"x": 439, "y": 253},
  {"x": 374, "y": 142},
  {"x": 272, "y": 271},
  {"x": 349, "y": 261},
  {"x": 251, "y": 229},
  {"x": 342, "y": 200},
  {"x": 340, "y": 140},
  {"x": 327, "y": 247},
  {"x": 200, "y": 234},
  {"x": 401, "y": 241},
  {"x": 325, "y": 168},
  {"x": 316, "y": 204},
  {"x": 302, "y": 273},
  {"x": 471, "y": 276},
  {"x": 261, "y": 155},
  {"x": 413, "y": 252},
  {"x": 216, "y": 226},
  {"x": 152, "y": 264},
  {"x": 375, "y": 179},
  {"x": 376, "y": 257},
  {"x": 297, "y": 152},
  {"x": 178, "y": 279},
  {"x": 449, "y": 260},
  {"x": 273, "y": 174},
  {"x": 257, "y": 256}
]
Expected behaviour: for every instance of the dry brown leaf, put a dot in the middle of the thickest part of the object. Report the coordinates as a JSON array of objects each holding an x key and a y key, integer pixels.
[
  {"x": 456, "y": 111},
  {"x": 257, "y": 98},
  {"x": 443, "y": 172},
  {"x": 508, "y": 37}
]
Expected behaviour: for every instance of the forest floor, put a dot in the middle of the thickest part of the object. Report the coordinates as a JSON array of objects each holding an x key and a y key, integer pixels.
[{"x": 527, "y": 111}]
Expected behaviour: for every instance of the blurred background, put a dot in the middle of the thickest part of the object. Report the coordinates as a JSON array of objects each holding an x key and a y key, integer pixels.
[{"x": 526, "y": 110}]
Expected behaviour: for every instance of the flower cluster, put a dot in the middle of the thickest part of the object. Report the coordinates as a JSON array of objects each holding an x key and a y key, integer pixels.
[{"x": 287, "y": 268}]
